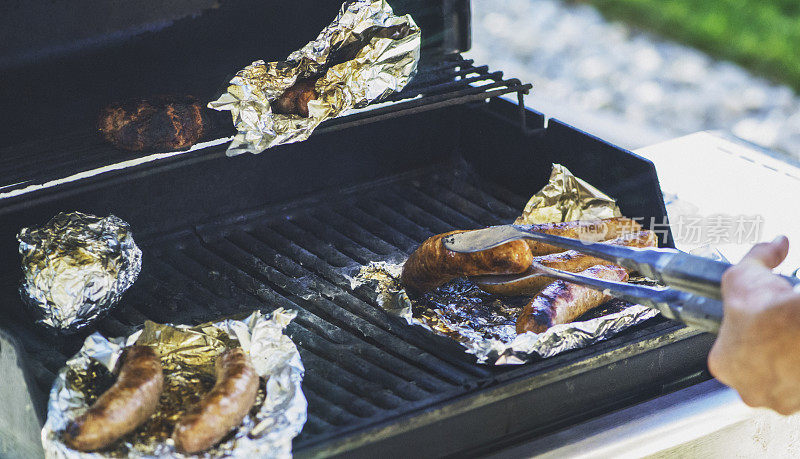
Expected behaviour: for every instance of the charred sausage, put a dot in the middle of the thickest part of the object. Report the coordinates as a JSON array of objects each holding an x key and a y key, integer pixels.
[
  {"x": 570, "y": 261},
  {"x": 294, "y": 101},
  {"x": 124, "y": 406},
  {"x": 432, "y": 265},
  {"x": 562, "y": 302},
  {"x": 590, "y": 231},
  {"x": 157, "y": 123},
  {"x": 223, "y": 408}
]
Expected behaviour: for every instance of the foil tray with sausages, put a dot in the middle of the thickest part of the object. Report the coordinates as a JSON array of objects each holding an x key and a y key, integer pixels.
[
  {"x": 538, "y": 317},
  {"x": 178, "y": 382}
]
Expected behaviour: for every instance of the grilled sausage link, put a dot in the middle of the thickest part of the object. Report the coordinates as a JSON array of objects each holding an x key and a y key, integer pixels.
[
  {"x": 223, "y": 408},
  {"x": 562, "y": 302},
  {"x": 589, "y": 231},
  {"x": 570, "y": 261},
  {"x": 156, "y": 123},
  {"x": 124, "y": 406},
  {"x": 294, "y": 101},
  {"x": 432, "y": 265}
]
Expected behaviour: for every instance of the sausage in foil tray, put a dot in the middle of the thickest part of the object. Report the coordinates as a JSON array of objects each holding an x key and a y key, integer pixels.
[
  {"x": 562, "y": 302},
  {"x": 510, "y": 321},
  {"x": 221, "y": 409},
  {"x": 229, "y": 388},
  {"x": 570, "y": 261},
  {"x": 122, "y": 408}
]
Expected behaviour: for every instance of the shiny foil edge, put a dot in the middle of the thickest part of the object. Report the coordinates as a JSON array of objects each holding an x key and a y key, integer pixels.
[
  {"x": 384, "y": 66},
  {"x": 49, "y": 291},
  {"x": 280, "y": 418},
  {"x": 383, "y": 277},
  {"x": 560, "y": 338}
]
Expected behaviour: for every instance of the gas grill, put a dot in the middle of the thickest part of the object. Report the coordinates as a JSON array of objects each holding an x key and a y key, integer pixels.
[{"x": 288, "y": 228}]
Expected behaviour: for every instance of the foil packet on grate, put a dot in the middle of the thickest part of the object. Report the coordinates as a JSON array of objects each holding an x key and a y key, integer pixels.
[
  {"x": 567, "y": 198},
  {"x": 187, "y": 355},
  {"x": 485, "y": 324},
  {"x": 364, "y": 55},
  {"x": 76, "y": 268}
]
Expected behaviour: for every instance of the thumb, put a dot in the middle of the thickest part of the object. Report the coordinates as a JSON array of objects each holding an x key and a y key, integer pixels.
[{"x": 768, "y": 254}]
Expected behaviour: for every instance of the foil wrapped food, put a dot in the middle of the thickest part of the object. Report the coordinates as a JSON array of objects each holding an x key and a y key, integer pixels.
[
  {"x": 364, "y": 55},
  {"x": 485, "y": 324},
  {"x": 188, "y": 355},
  {"x": 567, "y": 198},
  {"x": 76, "y": 268}
]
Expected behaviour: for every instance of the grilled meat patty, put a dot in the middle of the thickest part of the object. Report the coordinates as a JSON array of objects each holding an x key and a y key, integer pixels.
[{"x": 161, "y": 123}]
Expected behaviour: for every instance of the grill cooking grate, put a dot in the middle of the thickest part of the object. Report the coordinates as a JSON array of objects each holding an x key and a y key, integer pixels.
[{"x": 363, "y": 367}]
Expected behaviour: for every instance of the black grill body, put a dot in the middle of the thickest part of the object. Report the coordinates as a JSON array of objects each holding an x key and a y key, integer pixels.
[{"x": 226, "y": 236}]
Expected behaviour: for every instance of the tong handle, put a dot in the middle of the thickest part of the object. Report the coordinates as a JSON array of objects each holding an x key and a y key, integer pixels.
[
  {"x": 698, "y": 312},
  {"x": 700, "y": 275}
]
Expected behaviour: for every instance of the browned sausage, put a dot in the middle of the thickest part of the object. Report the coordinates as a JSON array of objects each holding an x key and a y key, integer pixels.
[
  {"x": 294, "y": 101},
  {"x": 570, "y": 261},
  {"x": 223, "y": 408},
  {"x": 432, "y": 265},
  {"x": 562, "y": 302},
  {"x": 590, "y": 231},
  {"x": 122, "y": 408},
  {"x": 157, "y": 123}
]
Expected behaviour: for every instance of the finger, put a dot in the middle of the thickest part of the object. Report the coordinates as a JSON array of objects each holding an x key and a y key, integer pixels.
[{"x": 769, "y": 254}]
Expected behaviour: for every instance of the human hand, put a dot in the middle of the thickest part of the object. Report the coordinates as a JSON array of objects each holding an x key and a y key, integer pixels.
[{"x": 757, "y": 351}]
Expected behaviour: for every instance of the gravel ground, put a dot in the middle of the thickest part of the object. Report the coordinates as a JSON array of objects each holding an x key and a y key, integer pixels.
[{"x": 626, "y": 86}]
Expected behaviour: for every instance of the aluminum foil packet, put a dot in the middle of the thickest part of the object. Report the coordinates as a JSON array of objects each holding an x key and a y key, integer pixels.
[
  {"x": 485, "y": 324},
  {"x": 76, "y": 268},
  {"x": 188, "y": 355},
  {"x": 567, "y": 198},
  {"x": 364, "y": 55}
]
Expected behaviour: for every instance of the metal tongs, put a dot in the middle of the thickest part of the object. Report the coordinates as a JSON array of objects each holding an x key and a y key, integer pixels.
[{"x": 693, "y": 294}]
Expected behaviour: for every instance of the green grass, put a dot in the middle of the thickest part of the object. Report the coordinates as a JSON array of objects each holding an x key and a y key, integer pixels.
[{"x": 762, "y": 35}]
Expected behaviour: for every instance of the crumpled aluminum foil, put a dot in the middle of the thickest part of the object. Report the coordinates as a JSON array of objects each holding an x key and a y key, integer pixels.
[
  {"x": 386, "y": 51},
  {"x": 188, "y": 355},
  {"x": 76, "y": 268},
  {"x": 485, "y": 324},
  {"x": 567, "y": 198}
]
